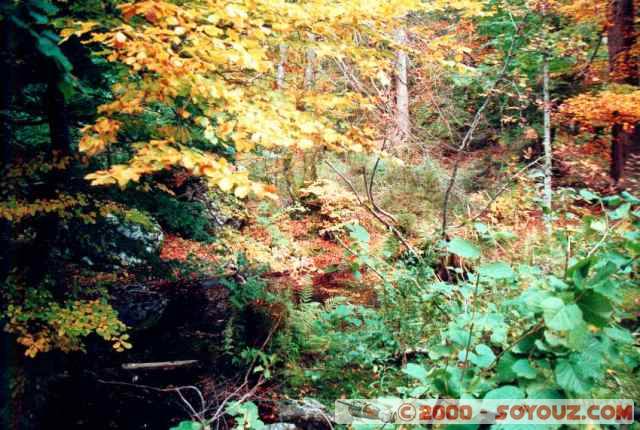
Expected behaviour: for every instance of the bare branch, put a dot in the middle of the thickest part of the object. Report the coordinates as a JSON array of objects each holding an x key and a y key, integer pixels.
[
  {"x": 502, "y": 189},
  {"x": 469, "y": 135},
  {"x": 158, "y": 365}
]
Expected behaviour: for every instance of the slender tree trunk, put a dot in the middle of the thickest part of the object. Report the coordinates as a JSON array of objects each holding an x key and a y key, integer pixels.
[
  {"x": 6, "y": 96},
  {"x": 280, "y": 72},
  {"x": 619, "y": 141},
  {"x": 310, "y": 173},
  {"x": 61, "y": 142},
  {"x": 548, "y": 154},
  {"x": 310, "y": 67},
  {"x": 623, "y": 69},
  {"x": 402, "y": 91},
  {"x": 8, "y": 351},
  {"x": 621, "y": 37},
  {"x": 59, "y": 129}
]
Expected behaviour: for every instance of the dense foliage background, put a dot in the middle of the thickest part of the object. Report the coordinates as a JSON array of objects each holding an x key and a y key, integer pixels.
[{"x": 208, "y": 207}]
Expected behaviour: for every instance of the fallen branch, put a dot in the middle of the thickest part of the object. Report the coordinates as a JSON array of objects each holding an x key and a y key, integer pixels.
[
  {"x": 158, "y": 365},
  {"x": 375, "y": 213},
  {"x": 502, "y": 189}
]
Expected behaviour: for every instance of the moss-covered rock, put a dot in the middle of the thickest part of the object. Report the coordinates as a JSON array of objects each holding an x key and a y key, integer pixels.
[{"x": 123, "y": 238}]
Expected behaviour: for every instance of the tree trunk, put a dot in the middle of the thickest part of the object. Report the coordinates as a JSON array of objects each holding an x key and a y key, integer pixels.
[
  {"x": 622, "y": 70},
  {"x": 8, "y": 355},
  {"x": 281, "y": 64},
  {"x": 402, "y": 91},
  {"x": 6, "y": 96},
  {"x": 310, "y": 157},
  {"x": 48, "y": 226},
  {"x": 619, "y": 140},
  {"x": 309, "y": 69},
  {"x": 59, "y": 129},
  {"x": 548, "y": 154},
  {"x": 621, "y": 37}
]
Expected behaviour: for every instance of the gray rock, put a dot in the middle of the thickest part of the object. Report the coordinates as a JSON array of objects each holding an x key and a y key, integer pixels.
[
  {"x": 120, "y": 239},
  {"x": 138, "y": 306},
  {"x": 281, "y": 426},
  {"x": 303, "y": 411}
]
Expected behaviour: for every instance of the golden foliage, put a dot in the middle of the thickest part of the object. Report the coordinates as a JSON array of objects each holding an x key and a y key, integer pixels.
[
  {"x": 333, "y": 202},
  {"x": 584, "y": 11},
  {"x": 64, "y": 326},
  {"x": 616, "y": 105},
  {"x": 213, "y": 63}
]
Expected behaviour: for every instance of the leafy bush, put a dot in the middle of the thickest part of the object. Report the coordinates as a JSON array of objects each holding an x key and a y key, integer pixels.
[
  {"x": 553, "y": 331},
  {"x": 186, "y": 218}
]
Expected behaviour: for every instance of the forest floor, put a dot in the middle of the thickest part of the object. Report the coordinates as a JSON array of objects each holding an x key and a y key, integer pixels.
[{"x": 303, "y": 259}]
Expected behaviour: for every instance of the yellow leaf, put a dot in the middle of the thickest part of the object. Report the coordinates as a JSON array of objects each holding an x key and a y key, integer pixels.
[
  {"x": 305, "y": 144},
  {"x": 225, "y": 184},
  {"x": 241, "y": 191}
]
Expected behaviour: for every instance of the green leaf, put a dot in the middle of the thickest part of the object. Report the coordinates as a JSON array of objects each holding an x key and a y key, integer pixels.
[
  {"x": 591, "y": 361},
  {"x": 458, "y": 336},
  {"x": 565, "y": 317},
  {"x": 358, "y": 233},
  {"x": 505, "y": 392},
  {"x": 578, "y": 338},
  {"x": 416, "y": 371},
  {"x": 579, "y": 271},
  {"x": 483, "y": 356},
  {"x": 568, "y": 377},
  {"x": 50, "y": 49},
  {"x": 481, "y": 228},
  {"x": 497, "y": 270},
  {"x": 596, "y": 308},
  {"x": 460, "y": 426},
  {"x": 612, "y": 200},
  {"x": 598, "y": 225},
  {"x": 246, "y": 415},
  {"x": 630, "y": 198},
  {"x": 504, "y": 369},
  {"x": 447, "y": 381},
  {"x": 439, "y": 351},
  {"x": 551, "y": 304},
  {"x": 44, "y": 6},
  {"x": 187, "y": 425},
  {"x": 543, "y": 392},
  {"x": 588, "y": 195},
  {"x": 504, "y": 236},
  {"x": 525, "y": 345},
  {"x": 621, "y": 212},
  {"x": 619, "y": 335},
  {"x": 557, "y": 283},
  {"x": 523, "y": 369},
  {"x": 463, "y": 248}
]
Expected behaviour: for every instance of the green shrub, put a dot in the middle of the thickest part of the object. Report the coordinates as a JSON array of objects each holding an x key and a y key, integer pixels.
[
  {"x": 554, "y": 330},
  {"x": 185, "y": 218}
]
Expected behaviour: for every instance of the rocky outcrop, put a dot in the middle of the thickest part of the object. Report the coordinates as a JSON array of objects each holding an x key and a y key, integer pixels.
[
  {"x": 306, "y": 413},
  {"x": 119, "y": 239}
]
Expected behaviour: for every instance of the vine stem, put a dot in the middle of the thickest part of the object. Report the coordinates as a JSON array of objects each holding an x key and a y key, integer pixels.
[
  {"x": 473, "y": 323},
  {"x": 527, "y": 333}
]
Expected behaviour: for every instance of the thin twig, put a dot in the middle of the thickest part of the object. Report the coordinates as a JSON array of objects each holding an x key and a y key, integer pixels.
[
  {"x": 529, "y": 332},
  {"x": 469, "y": 135},
  {"x": 345, "y": 179},
  {"x": 502, "y": 189},
  {"x": 473, "y": 322},
  {"x": 593, "y": 55},
  {"x": 605, "y": 235},
  {"x": 375, "y": 213},
  {"x": 346, "y": 248}
]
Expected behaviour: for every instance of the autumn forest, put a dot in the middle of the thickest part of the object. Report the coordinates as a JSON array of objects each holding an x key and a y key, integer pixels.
[{"x": 237, "y": 214}]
